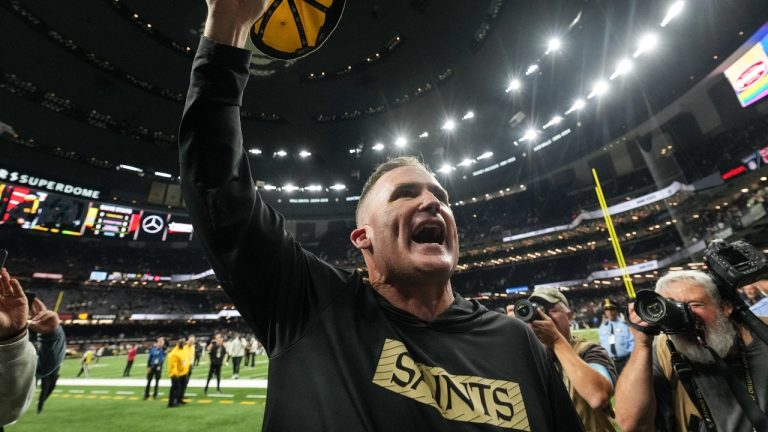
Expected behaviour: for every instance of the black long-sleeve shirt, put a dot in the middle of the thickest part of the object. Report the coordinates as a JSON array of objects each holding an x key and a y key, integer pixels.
[{"x": 342, "y": 357}]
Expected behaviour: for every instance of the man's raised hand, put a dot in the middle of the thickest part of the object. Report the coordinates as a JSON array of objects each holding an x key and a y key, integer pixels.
[
  {"x": 14, "y": 310},
  {"x": 229, "y": 21}
]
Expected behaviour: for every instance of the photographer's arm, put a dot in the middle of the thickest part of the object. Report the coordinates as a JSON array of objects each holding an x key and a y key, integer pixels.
[
  {"x": 635, "y": 396},
  {"x": 595, "y": 388}
]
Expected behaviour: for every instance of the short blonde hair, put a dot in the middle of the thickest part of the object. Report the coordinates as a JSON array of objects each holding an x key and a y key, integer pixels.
[{"x": 383, "y": 168}]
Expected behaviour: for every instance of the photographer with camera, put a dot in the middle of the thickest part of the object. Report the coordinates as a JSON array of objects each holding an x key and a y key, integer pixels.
[
  {"x": 676, "y": 380},
  {"x": 586, "y": 368}
]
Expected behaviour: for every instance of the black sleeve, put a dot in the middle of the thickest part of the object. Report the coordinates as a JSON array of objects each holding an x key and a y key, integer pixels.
[
  {"x": 276, "y": 285},
  {"x": 53, "y": 347}
]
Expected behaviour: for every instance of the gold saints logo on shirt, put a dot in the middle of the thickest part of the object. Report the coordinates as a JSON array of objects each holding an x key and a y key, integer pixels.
[{"x": 457, "y": 397}]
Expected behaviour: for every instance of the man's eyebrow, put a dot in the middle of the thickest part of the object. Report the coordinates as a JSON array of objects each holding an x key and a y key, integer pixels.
[
  {"x": 436, "y": 189},
  {"x": 402, "y": 187}
]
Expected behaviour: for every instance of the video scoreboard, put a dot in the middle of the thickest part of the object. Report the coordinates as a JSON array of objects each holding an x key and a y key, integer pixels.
[{"x": 42, "y": 211}]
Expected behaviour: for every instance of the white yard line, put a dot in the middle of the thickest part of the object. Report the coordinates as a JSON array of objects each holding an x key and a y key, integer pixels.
[{"x": 131, "y": 382}]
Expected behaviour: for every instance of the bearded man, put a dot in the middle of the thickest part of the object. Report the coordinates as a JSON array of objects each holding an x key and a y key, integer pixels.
[{"x": 650, "y": 390}]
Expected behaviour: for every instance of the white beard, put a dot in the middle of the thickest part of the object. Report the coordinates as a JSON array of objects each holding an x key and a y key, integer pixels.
[{"x": 720, "y": 336}]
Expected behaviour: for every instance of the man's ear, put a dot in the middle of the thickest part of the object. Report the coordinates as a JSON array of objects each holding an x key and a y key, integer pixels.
[
  {"x": 359, "y": 238},
  {"x": 726, "y": 307}
]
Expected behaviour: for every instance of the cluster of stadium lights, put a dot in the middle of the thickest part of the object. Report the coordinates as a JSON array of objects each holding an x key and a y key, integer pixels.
[
  {"x": 601, "y": 86},
  {"x": 645, "y": 44}
]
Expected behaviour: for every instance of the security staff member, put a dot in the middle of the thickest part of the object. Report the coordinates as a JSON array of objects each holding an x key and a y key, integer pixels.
[
  {"x": 615, "y": 336},
  {"x": 178, "y": 368}
]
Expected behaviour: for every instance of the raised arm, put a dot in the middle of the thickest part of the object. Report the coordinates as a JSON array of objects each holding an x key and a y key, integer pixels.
[
  {"x": 271, "y": 280},
  {"x": 635, "y": 397}
]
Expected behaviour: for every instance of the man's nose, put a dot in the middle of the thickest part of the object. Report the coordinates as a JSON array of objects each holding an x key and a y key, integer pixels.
[{"x": 430, "y": 203}]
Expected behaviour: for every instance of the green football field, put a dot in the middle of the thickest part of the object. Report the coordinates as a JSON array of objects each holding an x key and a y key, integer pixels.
[{"x": 118, "y": 407}]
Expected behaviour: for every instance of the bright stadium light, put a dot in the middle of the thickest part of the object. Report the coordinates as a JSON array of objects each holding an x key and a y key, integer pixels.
[
  {"x": 599, "y": 89},
  {"x": 424, "y": 134},
  {"x": 466, "y": 162},
  {"x": 673, "y": 11},
  {"x": 449, "y": 125},
  {"x": 163, "y": 174},
  {"x": 531, "y": 69},
  {"x": 555, "y": 120},
  {"x": 554, "y": 44},
  {"x": 624, "y": 66},
  {"x": 530, "y": 134},
  {"x": 378, "y": 147},
  {"x": 269, "y": 187},
  {"x": 468, "y": 115},
  {"x": 514, "y": 85},
  {"x": 290, "y": 188},
  {"x": 254, "y": 151},
  {"x": 304, "y": 154},
  {"x": 577, "y": 105},
  {"x": 445, "y": 169},
  {"x": 130, "y": 168},
  {"x": 485, "y": 155},
  {"x": 314, "y": 188},
  {"x": 281, "y": 153},
  {"x": 646, "y": 44},
  {"x": 338, "y": 187},
  {"x": 401, "y": 142}
]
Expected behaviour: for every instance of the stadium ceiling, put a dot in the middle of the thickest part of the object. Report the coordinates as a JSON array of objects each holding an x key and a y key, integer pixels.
[{"x": 98, "y": 84}]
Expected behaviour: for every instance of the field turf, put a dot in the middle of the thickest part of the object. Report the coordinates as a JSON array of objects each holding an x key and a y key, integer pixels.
[
  {"x": 119, "y": 408},
  {"x": 116, "y": 408}
]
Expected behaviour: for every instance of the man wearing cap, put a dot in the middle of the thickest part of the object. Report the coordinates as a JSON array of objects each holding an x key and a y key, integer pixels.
[
  {"x": 615, "y": 336},
  {"x": 586, "y": 368}
]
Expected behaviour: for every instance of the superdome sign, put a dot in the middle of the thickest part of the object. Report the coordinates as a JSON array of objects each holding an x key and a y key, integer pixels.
[
  {"x": 45, "y": 184},
  {"x": 749, "y": 74}
]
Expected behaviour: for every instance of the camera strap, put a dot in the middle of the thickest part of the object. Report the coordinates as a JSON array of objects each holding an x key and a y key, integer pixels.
[
  {"x": 684, "y": 372},
  {"x": 745, "y": 395}
]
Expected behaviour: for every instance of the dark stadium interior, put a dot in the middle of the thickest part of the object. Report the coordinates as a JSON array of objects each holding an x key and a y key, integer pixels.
[{"x": 93, "y": 94}]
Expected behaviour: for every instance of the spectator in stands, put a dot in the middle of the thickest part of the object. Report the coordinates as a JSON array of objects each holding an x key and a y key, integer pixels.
[
  {"x": 155, "y": 365},
  {"x": 132, "y": 351},
  {"x": 615, "y": 336},
  {"x": 178, "y": 368},
  {"x": 216, "y": 354},
  {"x": 586, "y": 368},
  {"x": 332, "y": 333},
  {"x": 18, "y": 360},
  {"x": 651, "y": 394}
]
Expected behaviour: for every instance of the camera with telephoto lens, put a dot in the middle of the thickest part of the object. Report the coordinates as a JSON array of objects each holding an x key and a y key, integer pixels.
[
  {"x": 664, "y": 315},
  {"x": 528, "y": 311},
  {"x": 731, "y": 265}
]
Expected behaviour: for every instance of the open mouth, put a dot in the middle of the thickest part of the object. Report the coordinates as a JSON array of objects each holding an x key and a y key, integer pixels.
[{"x": 429, "y": 233}]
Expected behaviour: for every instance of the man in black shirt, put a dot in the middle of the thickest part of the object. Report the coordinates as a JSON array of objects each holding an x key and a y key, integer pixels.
[
  {"x": 399, "y": 350},
  {"x": 216, "y": 353}
]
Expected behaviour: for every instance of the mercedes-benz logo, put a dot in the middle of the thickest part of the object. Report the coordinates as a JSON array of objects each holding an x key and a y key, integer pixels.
[{"x": 152, "y": 224}]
